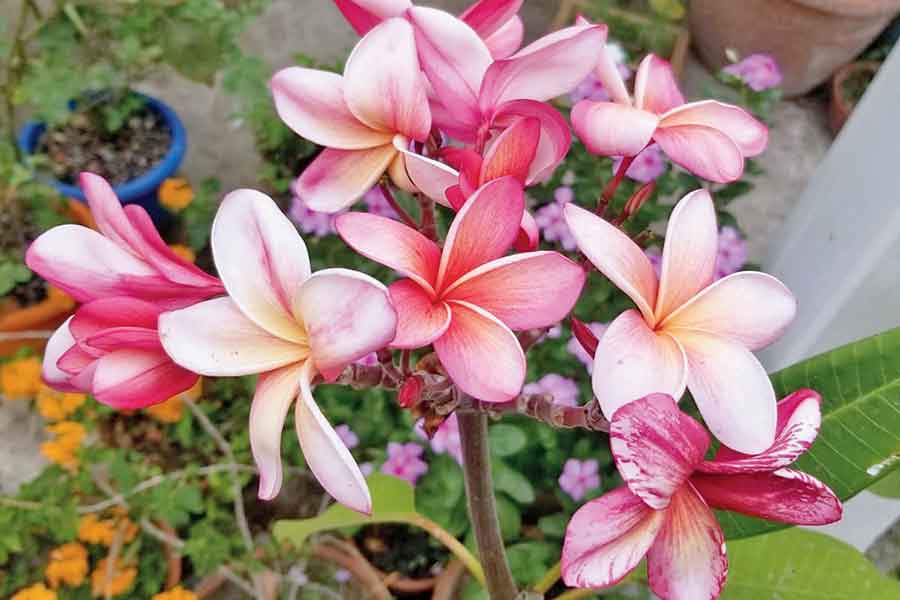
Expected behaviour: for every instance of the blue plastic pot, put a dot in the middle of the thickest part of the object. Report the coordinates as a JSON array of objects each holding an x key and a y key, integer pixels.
[{"x": 142, "y": 190}]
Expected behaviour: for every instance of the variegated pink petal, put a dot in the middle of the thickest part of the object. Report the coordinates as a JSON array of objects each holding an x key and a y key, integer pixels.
[
  {"x": 338, "y": 178},
  {"x": 507, "y": 40},
  {"x": 704, "y": 151},
  {"x": 554, "y": 141},
  {"x": 616, "y": 256},
  {"x": 750, "y": 135},
  {"x": 481, "y": 355},
  {"x": 687, "y": 561},
  {"x": 326, "y": 455},
  {"x": 429, "y": 176},
  {"x": 632, "y": 361},
  {"x": 513, "y": 151},
  {"x": 656, "y": 447},
  {"x": 786, "y": 496},
  {"x": 106, "y": 313},
  {"x": 275, "y": 391},
  {"x": 311, "y": 102},
  {"x": 610, "y": 129},
  {"x": 607, "y": 538},
  {"x": 128, "y": 379},
  {"x": 77, "y": 358},
  {"x": 525, "y": 291},
  {"x": 392, "y": 244},
  {"x": 383, "y": 86},
  {"x": 363, "y": 15},
  {"x": 689, "y": 254},
  {"x": 487, "y": 17},
  {"x": 59, "y": 343},
  {"x": 420, "y": 319},
  {"x": 799, "y": 419},
  {"x": 261, "y": 259},
  {"x": 347, "y": 315},
  {"x": 215, "y": 338},
  {"x": 750, "y": 308},
  {"x": 732, "y": 391},
  {"x": 484, "y": 229},
  {"x": 121, "y": 338},
  {"x": 655, "y": 87}
]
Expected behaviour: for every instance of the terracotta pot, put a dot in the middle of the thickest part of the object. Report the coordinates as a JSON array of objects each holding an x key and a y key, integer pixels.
[
  {"x": 841, "y": 106},
  {"x": 810, "y": 39}
]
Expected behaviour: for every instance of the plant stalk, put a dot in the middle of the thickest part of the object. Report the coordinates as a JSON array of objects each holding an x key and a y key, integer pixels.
[
  {"x": 473, "y": 431},
  {"x": 609, "y": 190}
]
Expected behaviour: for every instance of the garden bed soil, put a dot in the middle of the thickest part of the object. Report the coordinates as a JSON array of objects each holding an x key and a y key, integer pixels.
[
  {"x": 400, "y": 549},
  {"x": 82, "y": 144}
]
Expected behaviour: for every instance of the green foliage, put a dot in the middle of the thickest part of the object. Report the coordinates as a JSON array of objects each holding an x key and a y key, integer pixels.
[
  {"x": 12, "y": 273},
  {"x": 529, "y": 558},
  {"x": 197, "y": 217},
  {"x": 888, "y": 486}
]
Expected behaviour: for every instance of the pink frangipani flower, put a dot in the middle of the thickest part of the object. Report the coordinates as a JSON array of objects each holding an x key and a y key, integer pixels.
[
  {"x": 708, "y": 138},
  {"x": 564, "y": 390},
  {"x": 405, "y": 461},
  {"x": 759, "y": 71},
  {"x": 288, "y": 325},
  {"x": 579, "y": 477},
  {"x": 468, "y": 298},
  {"x": 364, "y": 118},
  {"x": 687, "y": 331},
  {"x": 312, "y": 222},
  {"x": 664, "y": 513}
]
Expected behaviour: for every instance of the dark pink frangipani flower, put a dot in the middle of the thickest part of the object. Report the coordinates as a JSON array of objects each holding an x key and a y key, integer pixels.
[{"x": 664, "y": 511}]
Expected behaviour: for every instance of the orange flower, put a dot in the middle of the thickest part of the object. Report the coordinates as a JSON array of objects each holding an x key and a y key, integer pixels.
[
  {"x": 171, "y": 410},
  {"x": 176, "y": 593},
  {"x": 93, "y": 530},
  {"x": 175, "y": 194},
  {"x": 68, "y": 565},
  {"x": 60, "y": 298},
  {"x": 55, "y": 406},
  {"x": 63, "y": 448},
  {"x": 183, "y": 251},
  {"x": 36, "y": 592},
  {"x": 20, "y": 378},
  {"x": 119, "y": 581}
]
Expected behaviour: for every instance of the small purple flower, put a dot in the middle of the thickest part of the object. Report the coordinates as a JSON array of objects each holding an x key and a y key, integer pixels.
[
  {"x": 317, "y": 224},
  {"x": 564, "y": 390},
  {"x": 579, "y": 477},
  {"x": 405, "y": 461},
  {"x": 446, "y": 439},
  {"x": 759, "y": 71},
  {"x": 551, "y": 220},
  {"x": 646, "y": 166},
  {"x": 342, "y": 576},
  {"x": 568, "y": 178},
  {"x": 350, "y": 439},
  {"x": 369, "y": 360},
  {"x": 366, "y": 468},
  {"x": 732, "y": 255},
  {"x": 574, "y": 346},
  {"x": 377, "y": 203},
  {"x": 554, "y": 332}
]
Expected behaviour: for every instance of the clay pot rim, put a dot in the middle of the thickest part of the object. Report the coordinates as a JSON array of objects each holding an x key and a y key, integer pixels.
[
  {"x": 842, "y": 74},
  {"x": 852, "y": 8}
]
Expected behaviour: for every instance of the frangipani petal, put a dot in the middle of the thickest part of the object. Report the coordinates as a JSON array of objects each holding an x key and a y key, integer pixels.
[
  {"x": 392, "y": 244},
  {"x": 429, "y": 176},
  {"x": 554, "y": 141},
  {"x": 750, "y": 308},
  {"x": 702, "y": 150},
  {"x": 59, "y": 343},
  {"x": 420, "y": 320},
  {"x": 383, "y": 85},
  {"x": 311, "y": 103},
  {"x": 487, "y": 17},
  {"x": 633, "y": 361},
  {"x": 529, "y": 237},
  {"x": 689, "y": 254},
  {"x": 506, "y": 40},
  {"x": 607, "y": 538},
  {"x": 616, "y": 256},
  {"x": 363, "y": 15},
  {"x": 131, "y": 378},
  {"x": 655, "y": 87},
  {"x": 656, "y": 447},
  {"x": 120, "y": 338},
  {"x": 117, "y": 311},
  {"x": 732, "y": 391},
  {"x": 261, "y": 259},
  {"x": 481, "y": 355},
  {"x": 610, "y": 129},
  {"x": 525, "y": 291},
  {"x": 687, "y": 561},
  {"x": 327, "y": 456},
  {"x": 338, "y": 178},
  {"x": 786, "y": 496},
  {"x": 513, "y": 151},
  {"x": 275, "y": 391},
  {"x": 347, "y": 315},
  {"x": 607, "y": 71},
  {"x": 215, "y": 338},
  {"x": 750, "y": 135}
]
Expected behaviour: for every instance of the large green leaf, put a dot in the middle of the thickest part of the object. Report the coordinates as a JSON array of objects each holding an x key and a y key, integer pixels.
[
  {"x": 860, "y": 436},
  {"x": 802, "y": 565}
]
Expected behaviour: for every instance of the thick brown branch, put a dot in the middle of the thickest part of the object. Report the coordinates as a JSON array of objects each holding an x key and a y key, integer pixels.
[{"x": 541, "y": 407}]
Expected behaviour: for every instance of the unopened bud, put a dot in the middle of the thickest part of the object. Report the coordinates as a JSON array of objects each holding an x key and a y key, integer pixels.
[
  {"x": 410, "y": 392},
  {"x": 637, "y": 200},
  {"x": 585, "y": 336}
]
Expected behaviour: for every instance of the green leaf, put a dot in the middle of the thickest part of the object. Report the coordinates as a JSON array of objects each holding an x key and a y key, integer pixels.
[
  {"x": 528, "y": 558},
  {"x": 860, "y": 435},
  {"x": 393, "y": 500},
  {"x": 510, "y": 518},
  {"x": 506, "y": 440},
  {"x": 507, "y": 479},
  {"x": 669, "y": 9},
  {"x": 554, "y": 525},
  {"x": 798, "y": 565},
  {"x": 889, "y": 486}
]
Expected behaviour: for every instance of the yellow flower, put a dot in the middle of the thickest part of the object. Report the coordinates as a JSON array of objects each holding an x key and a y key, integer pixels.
[
  {"x": 122, "y": 578},
  {"x": 93, "y": 530},
  {"x": 55, "y": 406},
  {"x": 175, "y": 194},
  {"x": 21, "y": 378},
  {"x": 63, "y": 448},
  {"x": 171, "y": 410},
  {"x": 176, "y": 593},
  {"x": 183, "y": 252},
  {"x": 36, "y": 592},
  {"x": 68, "y": 564}
]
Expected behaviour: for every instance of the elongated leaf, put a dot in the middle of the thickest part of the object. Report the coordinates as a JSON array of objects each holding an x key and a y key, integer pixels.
[
  {"x": 802, "y": 565},
  {"x": 860, "y": 436}
]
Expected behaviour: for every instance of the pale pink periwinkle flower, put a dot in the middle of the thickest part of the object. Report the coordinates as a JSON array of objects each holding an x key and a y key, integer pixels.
[
  {"x": 576, "y": 349},
  {"x": 579, "y": 477},
  {"x": 646, "y": 166},
  {"x": 342, "y": 576},
  {"x": 687, "y": 330},
  {"x": 446, "y": 439},
  {"x": 732, "y": 254},
  {"x": 564, "y": 390},
  {"x": 759, "y": 71},
  {"x": 405, "y": 461},
  {"x": 377, "y": 203},
  {"x": 552, "y": 222},
  {"x": 366, "y": 468},
  {"x": 347, "y": 435},
  {"x": 312, "y": 222}
]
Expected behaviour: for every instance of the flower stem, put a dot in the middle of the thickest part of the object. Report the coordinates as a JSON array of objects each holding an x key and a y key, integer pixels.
[
  {"x": 428, "y": 227},
  {"x": 549, "y": 579},
  {"x": 453, "y": 545},
  {"x": 609, "y": 190},
  {"x": 401, "y": 212},
  {"x": 473, "y": 431}
]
